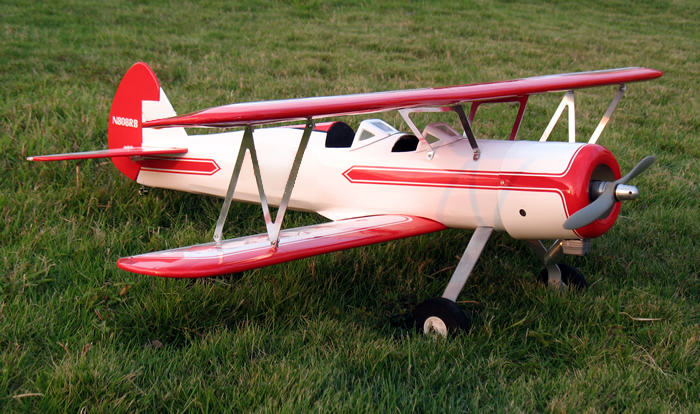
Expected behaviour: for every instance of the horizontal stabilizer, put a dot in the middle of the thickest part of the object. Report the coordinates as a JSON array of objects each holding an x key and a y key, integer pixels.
[
  {"x": 109, "y": 153},
  {"x": 252, "y": 252}
]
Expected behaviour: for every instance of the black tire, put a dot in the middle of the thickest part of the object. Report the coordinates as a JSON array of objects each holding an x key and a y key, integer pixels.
[
  {"x": 440, "y": 316},
  {"x": 570, "y": 276}
]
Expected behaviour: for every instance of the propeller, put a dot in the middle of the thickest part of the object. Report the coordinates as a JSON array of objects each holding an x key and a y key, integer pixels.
[{"x": 608, "y": 194}]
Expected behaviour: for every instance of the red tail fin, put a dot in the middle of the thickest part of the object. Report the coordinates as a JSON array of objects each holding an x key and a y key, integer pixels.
[{"x": 125, "y": 117}]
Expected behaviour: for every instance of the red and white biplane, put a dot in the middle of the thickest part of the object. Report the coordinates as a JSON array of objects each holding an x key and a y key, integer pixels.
[{"x": 377, "y": 183}]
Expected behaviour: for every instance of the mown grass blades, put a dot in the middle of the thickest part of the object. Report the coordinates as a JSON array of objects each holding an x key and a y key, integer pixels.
[{"x": 332, "y": 333}]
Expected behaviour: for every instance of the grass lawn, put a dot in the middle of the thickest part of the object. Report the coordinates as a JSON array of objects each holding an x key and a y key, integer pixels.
[{"x": 332, "y": 333}]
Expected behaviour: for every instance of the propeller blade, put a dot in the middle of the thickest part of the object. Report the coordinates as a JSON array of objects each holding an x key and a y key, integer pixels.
[
  {"x": 638, "y": 169},
  {"x": 606, "y": 200},
  {"x": 591, "y": 212}
]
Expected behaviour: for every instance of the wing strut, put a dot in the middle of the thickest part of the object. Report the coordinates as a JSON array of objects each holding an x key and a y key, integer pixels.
[
  {"x": 458, "y": 109},
  {"x": 608, "y": 115},
  {"x": 566, "y": 101},
  {"x": 521, "y": 100},
  {"x": 467, "y": 130},
  {"x": 248, "y": 145},
  {"x": 406, "y": 115}
]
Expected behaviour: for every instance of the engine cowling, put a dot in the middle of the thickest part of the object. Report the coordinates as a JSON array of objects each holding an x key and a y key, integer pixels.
[{"x": 539, "y": 192}]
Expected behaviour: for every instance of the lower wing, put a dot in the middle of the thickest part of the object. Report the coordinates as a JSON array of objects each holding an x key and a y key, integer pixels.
[{"x": 252, "y": 252}]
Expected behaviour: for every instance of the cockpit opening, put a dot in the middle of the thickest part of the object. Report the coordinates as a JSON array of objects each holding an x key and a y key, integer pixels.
[
  {"x": 406, "y": 143},
  {"x": 340, "y": 135}
]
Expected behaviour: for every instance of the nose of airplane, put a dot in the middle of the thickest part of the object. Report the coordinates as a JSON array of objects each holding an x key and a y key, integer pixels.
[{"x": 604, "y": 194}]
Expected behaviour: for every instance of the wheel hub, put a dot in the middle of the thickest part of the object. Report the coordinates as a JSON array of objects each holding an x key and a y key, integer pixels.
[{"x": 435, "y": 325}]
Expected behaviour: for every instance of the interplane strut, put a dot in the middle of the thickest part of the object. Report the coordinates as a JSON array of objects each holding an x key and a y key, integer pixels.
[
  {"x": 568, "y": 101},
  {"x": 248, "y": 145},
  {"x": 608, "y": 115}
]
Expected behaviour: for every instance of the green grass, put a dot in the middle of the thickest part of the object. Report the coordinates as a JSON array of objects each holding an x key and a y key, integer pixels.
[{"x": 332, "y": 333}]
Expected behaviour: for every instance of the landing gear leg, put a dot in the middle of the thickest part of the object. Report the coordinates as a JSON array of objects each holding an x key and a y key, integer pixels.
[
  {"x": 555, "y": 274},
  {"x": 570, "y": 276},
  {"x": 440, "y": 316}
]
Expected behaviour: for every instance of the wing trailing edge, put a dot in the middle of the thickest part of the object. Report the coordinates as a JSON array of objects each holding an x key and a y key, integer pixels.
[{"x": 252, "y": 252}]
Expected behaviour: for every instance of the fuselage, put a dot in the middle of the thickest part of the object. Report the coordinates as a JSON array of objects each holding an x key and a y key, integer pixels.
[{"x": 525, "y": 188}]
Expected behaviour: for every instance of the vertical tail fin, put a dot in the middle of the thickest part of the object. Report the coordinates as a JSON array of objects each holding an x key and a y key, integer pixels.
[{"x": 139, "y": 98}]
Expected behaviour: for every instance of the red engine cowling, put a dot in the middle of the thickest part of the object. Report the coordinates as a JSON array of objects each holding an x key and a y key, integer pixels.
[{"x": 532, "y": 202}]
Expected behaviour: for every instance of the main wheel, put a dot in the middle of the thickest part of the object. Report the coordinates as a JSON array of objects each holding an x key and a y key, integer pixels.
[
  {"x": 570, "y": 276},
  {"x": 440, "y": 317}
]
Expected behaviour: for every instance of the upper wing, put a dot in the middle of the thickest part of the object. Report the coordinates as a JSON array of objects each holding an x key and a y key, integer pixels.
[
  {"x": 252, "y": 252},
  {"x": 320, "y": 107}
]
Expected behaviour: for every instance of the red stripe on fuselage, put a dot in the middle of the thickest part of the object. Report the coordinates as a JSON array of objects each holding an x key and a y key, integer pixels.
[
  {"x": 476, "y": 180},
  {"x": 193, "y": 166},
  {"x": 471, "y": 179},
  {"x": 571, "y": 184}
]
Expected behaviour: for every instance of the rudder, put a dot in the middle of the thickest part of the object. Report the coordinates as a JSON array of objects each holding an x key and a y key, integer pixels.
[{"x": 139, "y": 98}]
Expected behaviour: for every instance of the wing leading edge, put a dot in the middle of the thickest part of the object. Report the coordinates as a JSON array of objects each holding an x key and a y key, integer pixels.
[
  {"x": 256, "y": 113},
  {"x": 252, "y": 252}
]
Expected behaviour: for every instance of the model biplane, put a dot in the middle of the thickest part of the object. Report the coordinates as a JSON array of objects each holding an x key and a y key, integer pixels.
[{"x": 377, "y": 183}]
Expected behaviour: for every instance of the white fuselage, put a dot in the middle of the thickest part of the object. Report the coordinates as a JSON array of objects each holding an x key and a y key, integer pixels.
[{"x": 512, "y": 186}]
